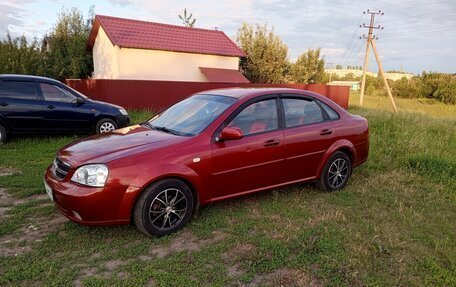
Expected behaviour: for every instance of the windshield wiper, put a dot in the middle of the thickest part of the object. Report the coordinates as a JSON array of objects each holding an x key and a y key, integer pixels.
[
  {"x": 146, "y": 123},
  {"x": 166, "y": 130}
]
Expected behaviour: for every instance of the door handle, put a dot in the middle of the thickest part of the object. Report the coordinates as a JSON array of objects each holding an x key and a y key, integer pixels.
[
  {"x": 326, "y": 132},
  {"x": 50, "y": 107},
  {"x": 271, "y": 142},
  {"x": 3, "y": 104}
]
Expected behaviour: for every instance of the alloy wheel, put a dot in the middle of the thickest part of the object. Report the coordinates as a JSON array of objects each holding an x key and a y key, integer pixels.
[
  {"x": 168, "y": 209},
  {"x": 338, "y": 173},
  {"x": 107, "y": 127}
]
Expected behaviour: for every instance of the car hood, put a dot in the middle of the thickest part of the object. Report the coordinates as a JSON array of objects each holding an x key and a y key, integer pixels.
[
  {"x": 105, "y": 104},
  {"x": 117, "y": 144}
]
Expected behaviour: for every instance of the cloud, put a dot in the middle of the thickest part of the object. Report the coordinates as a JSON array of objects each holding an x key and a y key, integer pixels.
[
  {"x": 121, "y": 2},
  {"x": 301, "y": 24},
  {"x": 10, "y": 15}
]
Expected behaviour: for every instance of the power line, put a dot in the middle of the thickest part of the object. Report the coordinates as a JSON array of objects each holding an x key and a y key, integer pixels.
[
  {"x": 402, "y": 34},
  {"x": 352, "y": 37}
]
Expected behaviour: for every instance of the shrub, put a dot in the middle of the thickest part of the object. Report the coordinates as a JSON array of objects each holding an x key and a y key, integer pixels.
[{"x": 405, "y": 88}]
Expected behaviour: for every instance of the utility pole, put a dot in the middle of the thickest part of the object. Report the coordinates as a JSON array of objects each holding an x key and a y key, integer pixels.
[
  {"x": 329, "y": 65},
  {"x": 371, "y": 42}
]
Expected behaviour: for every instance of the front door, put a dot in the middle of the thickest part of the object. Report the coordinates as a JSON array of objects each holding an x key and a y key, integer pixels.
[
  {"x": 61, "y": 110},
  {"x": 254, "y": 161}
]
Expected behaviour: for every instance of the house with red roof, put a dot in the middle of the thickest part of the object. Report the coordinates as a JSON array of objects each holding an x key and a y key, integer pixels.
[{"x": 140, "y": 50}]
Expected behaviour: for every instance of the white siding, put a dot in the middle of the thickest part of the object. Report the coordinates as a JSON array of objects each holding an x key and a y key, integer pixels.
[{"x": 105, "y": 57}]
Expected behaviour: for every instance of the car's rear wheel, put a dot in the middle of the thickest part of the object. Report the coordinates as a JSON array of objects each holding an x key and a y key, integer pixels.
[
  {"x": 3, "y": 134},
  {"x": 164, "y": 207},
  {"x": 336, "y": 172},
  {"x": 105, "y": 125}
]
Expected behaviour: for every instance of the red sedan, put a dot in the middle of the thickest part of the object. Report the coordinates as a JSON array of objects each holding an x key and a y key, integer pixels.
[{"x": 211, "y": 146}]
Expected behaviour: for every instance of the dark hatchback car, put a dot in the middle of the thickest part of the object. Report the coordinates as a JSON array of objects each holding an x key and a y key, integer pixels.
[{"x": 31, "y": 104}]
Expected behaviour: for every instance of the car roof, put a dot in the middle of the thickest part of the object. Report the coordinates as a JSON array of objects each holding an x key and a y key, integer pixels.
[
  {"x": 245, "y": 92},
  {"x": 28, "y": 77}
]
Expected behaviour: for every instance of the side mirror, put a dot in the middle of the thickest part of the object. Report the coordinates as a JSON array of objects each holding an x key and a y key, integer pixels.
[
  {"x": 79, "y": 101},
  {"x": 231, "y": 133}
]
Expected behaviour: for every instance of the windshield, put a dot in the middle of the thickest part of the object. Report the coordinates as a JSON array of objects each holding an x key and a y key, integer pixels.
[{"x": 192, "y": 115}]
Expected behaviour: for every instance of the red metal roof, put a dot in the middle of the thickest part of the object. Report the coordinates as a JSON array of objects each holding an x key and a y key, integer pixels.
[
  {"x": 223, "y": 75},
  {"x": 128, "y": 33}
]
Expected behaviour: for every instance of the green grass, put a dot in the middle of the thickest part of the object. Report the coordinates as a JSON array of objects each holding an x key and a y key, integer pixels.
[{"x": 393, "y": 225}]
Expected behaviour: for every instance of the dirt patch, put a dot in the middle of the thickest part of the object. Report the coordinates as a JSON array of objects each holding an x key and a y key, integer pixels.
[
  {"x": 108, "y": 271},
  {"x": 235, "y": 270},
  {"x": 5, "y": 171},
  {"x": 286, "y": 277},
  {"x": 325, "y": 216},
  {"x": 113, "y": 264},
  {"x": 184, "y": 242},
  {"x": 23, "y": 239},
  {"x": 239, "y": 251},
  {"x": 7, "y": 201},
  {"x": 85, "y": 273}
]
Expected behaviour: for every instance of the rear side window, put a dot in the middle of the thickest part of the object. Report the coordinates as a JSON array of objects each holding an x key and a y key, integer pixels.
[
  {"x": 332, "y": 114},
  {"x": 301, "y": 112},
  {"x": 18, "y": 90}
]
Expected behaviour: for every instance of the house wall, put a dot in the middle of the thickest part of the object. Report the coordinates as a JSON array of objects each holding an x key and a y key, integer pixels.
[
  {"x": 344, "y": 72},
  {"x": 112, "y": 62},
  {"x": 105, "y": 57},
  {"x": 398, "y": 76},
  {"x": 359, "y": 73},
  {"x": 140, "y": 64}
]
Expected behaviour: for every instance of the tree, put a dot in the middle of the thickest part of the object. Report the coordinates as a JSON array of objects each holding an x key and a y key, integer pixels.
[
  {"x": 338, "y": 67},
  {"x": 187, "y": 19},
  {"x": 267, "y": 55},
  {"x": 309, "y": 68},
  {"x": 67, "y": 57},
  {"x": 17, "y": 56}
]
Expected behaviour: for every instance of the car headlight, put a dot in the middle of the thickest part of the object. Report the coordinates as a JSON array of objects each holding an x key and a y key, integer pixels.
[
  {"x": 123, "y": 111},
  {"x": 91, "y": 175}
]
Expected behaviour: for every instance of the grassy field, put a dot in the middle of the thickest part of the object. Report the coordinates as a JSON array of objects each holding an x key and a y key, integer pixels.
[{"x": 393, "y": 225}]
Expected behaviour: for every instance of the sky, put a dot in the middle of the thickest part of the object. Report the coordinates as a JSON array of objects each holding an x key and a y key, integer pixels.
[{"x": 417, "y": 35}]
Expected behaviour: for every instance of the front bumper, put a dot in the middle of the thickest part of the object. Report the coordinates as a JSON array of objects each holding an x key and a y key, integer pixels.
[
  {"x": 123, "y": 121},
  {"x": 87, "y": 205}
]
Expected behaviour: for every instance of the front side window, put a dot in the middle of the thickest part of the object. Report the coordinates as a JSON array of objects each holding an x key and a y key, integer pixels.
[
  {"x": 191, "y": 116},
  {"x": 24, "y": 90},
  {"x": 256, "y": 118},
  {"x": 55, "y": 93},
  {"x": 301, "y": 112}
]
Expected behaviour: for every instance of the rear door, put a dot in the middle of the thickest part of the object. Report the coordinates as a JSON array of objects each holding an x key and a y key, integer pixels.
[
  {"x": 309, "y": 132},
  {"x": 255, "y": 161},
  {"x": 20, "y": 105},
  {"x": 61, "y": 111}
]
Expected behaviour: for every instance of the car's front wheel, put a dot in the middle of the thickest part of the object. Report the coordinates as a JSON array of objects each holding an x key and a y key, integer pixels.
[
  {"x": 164, "y": 207},
  {"x": 105, "y": 125},
  {"x": 336, "y": 172},
  {"x": 2, "y": 134}
]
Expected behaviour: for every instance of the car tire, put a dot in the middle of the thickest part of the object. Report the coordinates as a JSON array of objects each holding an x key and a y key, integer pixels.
[
  {"x": 105, "y": 125},
  {"x": 3, "y": 135},
  {"x": 163, "y": 208},
  {"x": 336, "y": 173}
]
